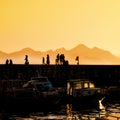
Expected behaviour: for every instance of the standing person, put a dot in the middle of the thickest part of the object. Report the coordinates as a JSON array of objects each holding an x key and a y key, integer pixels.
[
  {"x": 48, "y": 60},
  {"x": 11, "y": 62},
  {"x": 77, "y": 59},
  {"x": 26, "y": 60},
  {"x": 7, "y": 62}
]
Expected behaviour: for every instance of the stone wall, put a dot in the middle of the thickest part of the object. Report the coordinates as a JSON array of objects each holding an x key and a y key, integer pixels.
[{"x": 102, "y": 75}]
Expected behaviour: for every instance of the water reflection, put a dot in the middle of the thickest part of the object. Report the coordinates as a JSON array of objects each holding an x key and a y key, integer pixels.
[
  {"x": 101, "y": 106},
  {"x": 69, "y": 112}
]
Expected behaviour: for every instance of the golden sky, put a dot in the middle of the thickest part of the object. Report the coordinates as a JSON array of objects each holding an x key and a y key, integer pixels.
[{"x": 52, "y": 24}]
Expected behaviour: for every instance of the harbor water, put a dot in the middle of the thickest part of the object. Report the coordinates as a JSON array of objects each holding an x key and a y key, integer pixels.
[{"x": 68, "y": 112}]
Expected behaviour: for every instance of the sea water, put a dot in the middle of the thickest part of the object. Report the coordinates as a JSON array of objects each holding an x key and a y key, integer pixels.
[{"x": 69, "y": 112}]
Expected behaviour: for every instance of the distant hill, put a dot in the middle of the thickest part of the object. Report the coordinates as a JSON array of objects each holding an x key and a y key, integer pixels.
[{"x": 86, "y": 56}]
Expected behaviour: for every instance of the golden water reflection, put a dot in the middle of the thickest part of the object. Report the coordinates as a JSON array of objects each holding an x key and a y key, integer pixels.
[
  {"x": 69, "y": 111},
  {"x": 71, "y": 114},
  {"x": 101, "y": 106},
  {"x": 103, "y": 113}
]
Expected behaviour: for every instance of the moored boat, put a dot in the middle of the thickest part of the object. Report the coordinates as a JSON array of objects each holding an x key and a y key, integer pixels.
[
  {"x": 35, "y": 93},
  {"x": 112, "y": 96},
  {"x": 83, "y": 92}
]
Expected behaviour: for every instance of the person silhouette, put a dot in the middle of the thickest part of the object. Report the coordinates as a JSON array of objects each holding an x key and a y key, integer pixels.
[{"x": 26, "y": 60}]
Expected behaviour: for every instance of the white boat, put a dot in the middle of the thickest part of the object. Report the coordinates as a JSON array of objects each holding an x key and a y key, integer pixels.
[{"x": 83, "y": 92}]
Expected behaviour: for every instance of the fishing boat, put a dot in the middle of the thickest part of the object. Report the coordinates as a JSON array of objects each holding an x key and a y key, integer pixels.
[
  {"x": 112, "y": 96},
  {"x": 35, "y": 93},
  {"x": 83, "y": 92}
]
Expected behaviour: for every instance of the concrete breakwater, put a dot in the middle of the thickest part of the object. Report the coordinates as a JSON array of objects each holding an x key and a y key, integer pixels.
[{"x": 102, "y": 75}]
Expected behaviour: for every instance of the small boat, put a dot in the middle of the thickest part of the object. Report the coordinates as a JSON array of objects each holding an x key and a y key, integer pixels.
[
  {"x": 112, "y": 96},
  {"x": 83, "y": 92},
  {"x": 35, "y": 93}
]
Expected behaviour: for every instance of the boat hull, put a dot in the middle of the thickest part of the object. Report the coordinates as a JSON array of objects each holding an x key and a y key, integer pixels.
[
  {"x": 13, "y": 103},
  {"x": 84, "y": 101}
]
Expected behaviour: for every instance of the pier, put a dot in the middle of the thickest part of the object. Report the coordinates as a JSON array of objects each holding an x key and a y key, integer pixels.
[{"x": 102, "y": 75}]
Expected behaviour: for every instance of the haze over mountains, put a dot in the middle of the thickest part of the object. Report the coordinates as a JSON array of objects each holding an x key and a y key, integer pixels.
[{"x": 86, "y": 56}]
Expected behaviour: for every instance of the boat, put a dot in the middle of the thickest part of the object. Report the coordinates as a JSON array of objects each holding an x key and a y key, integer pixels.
[
  {"x": 112, "y": 96},
  {"x": 83, "y": 92},
  {"x": 35, "y": 93}
]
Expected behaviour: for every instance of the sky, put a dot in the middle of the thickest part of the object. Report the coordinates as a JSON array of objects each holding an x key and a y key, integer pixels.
[{"x": 50, "y": 24}]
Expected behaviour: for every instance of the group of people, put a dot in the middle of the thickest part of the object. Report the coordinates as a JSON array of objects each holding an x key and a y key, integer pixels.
[
  {"x": 9, "y": 62},
  {"x": 60, "y": 59}
]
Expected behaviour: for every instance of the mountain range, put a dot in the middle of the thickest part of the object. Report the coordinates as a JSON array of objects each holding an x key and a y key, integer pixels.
[{"x": 86, "y": 56}]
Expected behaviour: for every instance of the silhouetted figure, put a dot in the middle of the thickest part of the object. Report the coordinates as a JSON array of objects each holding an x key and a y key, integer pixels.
[
  {"x": 26, "y": 60},
  {"x": 48, "y": 60},
  {"x": 65, "y": 62},
  {"x": 77, "y": 59},
  {"x": 62, "y": 58},
  {"x": 7, "y": 62},
  {"x": 57, "y": 59},
  {"x": 11, "y": 62},
  {"x": 43, "y": 60}
]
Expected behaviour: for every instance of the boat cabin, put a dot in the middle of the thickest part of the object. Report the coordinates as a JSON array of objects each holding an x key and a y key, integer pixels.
[
  {"x": 38, "y": 83},
  {"x": 81, "y": 87}
]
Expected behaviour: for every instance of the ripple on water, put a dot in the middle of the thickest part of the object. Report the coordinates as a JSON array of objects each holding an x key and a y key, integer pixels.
[{"x": 67, "y": 112}]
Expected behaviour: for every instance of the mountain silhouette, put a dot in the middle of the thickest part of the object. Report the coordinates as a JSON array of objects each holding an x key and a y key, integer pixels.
[{"x": 86, "y": 56}]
